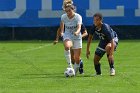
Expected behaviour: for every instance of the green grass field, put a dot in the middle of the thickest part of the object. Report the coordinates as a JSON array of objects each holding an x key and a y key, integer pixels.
[{"x": 38, "y": 66}]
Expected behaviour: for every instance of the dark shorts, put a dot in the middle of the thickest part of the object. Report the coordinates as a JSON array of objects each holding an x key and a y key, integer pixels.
[{"x": 100, "y": 50}]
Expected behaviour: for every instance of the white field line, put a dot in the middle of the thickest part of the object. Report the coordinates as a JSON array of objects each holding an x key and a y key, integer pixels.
[{"x": 33, "y": 48}]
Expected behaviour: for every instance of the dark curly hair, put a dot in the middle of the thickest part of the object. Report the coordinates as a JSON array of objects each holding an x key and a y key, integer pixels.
[{"x": 98, "y": 15}]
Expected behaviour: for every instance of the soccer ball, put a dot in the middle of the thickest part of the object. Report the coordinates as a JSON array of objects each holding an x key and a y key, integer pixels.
[{"x": 69, "y": 72}]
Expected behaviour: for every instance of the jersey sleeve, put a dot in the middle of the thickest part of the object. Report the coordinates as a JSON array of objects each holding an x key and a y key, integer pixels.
[
  {"x": 79, "y": 19},
  {"x": 109, "y": 33},
  {"x": 62, "y": 18}
]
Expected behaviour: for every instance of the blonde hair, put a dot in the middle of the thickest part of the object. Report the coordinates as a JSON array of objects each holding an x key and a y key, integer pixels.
[{"x": 67, "y": 3}]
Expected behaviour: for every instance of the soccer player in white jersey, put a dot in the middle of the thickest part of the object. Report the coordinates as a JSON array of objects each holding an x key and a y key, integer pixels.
[
  {"x": 84, "y": 34},
  {"x": 71, "y": 36}
]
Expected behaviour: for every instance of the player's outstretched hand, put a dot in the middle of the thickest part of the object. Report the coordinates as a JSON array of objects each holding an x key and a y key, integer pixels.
[
  {"x": 55, "y": 42},
  {"x": 87, "y": 54}
]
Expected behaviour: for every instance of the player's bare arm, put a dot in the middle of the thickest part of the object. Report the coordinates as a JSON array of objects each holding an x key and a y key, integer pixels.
[
  {"x": 57, "y": 36},
  {"x": 90, "y": 37},
  {"x": 78, "y": 29},
  {"x": 84, "y": 34},
  {"x": 59, "y": 32},
  {"x": 112, "y": 49},
  {"x": 61, "y": 28}
]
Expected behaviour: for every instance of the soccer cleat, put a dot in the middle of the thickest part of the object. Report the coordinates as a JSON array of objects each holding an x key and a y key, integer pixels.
[
  {"x": 81, "y": 71},
  {"x": 112, "y": 72}
]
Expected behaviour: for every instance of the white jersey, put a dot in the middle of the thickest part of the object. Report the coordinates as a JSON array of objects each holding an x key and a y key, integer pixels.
[{"x": 71, "y": 26}]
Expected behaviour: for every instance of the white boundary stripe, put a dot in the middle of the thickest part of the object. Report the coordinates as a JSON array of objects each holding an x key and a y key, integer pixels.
[
  {"x": 34, "y": 48},
  {"x": 101, "y": 49}
]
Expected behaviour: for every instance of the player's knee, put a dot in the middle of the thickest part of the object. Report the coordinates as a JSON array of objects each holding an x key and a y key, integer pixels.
[
  {"x": 67, "y": 44},
  {"x": 107, "y": 48}
]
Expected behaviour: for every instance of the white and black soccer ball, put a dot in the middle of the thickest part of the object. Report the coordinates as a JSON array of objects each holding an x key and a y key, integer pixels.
[{"x": 69, "y": 72}]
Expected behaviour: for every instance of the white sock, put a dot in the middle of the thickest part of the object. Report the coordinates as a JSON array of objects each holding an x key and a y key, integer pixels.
[
  {"x": 76, "y": 67},
  {"x": 68, "y": 58}
]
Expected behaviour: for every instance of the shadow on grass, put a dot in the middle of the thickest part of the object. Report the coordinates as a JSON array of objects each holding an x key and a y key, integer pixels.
[{"x": 50, "y": 76}]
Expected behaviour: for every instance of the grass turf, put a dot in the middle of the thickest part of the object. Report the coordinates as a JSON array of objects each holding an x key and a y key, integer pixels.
[{"x": 37, "y": 67}]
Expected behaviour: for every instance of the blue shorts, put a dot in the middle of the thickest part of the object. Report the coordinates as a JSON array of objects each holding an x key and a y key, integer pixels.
[{"x": 100, "y": 50}]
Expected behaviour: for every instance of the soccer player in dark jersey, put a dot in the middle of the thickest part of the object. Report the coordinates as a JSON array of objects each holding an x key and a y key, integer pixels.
[
  {"x": 84, "y": 34},
  {"x": 108, "y": 43}
]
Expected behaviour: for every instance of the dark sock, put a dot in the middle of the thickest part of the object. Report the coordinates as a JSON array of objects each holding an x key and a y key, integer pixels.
[
  {"x": 111, "y": 63},
  {"x": 97, "y": 68}
]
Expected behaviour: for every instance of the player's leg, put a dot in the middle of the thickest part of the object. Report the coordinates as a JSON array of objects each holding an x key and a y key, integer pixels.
[
  {"x": 72, "y": 56},
  {"x": 67, "y": 46},
  {"x": 81, "y": 70},
  {"x": 77, "y": 46},
  {"x": 97, "y": 64},
  {"x": 111, "y": 59},
  {"x": 98, "y": 55},
  {"x": 77, "y": 54}
]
